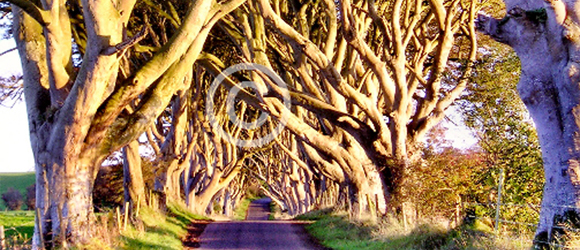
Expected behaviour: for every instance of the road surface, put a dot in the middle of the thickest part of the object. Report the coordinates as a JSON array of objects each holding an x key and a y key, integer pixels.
[{"x": 256, "y": 232}]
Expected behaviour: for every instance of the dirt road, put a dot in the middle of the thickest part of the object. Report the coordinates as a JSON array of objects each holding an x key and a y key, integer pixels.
[{"x": 256, "y": 232}]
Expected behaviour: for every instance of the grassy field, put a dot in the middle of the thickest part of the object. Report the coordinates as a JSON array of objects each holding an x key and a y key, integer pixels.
[
  {"x": 18, "y": 226},
  {"x": 18, "y": 181}
]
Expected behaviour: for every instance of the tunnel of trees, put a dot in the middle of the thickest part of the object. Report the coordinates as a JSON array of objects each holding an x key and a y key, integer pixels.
[{"x": 344, "y": 92}]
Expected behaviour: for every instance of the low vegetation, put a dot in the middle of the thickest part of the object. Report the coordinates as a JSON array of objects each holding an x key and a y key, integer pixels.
[
  {"x": 156, "y": 230},
  {"x": 336, "y": 231},
  {"x": 275, "y": 211},
  {"x": 16, "y": 181},
  {"x": 12, "y": 199},
  {"x": 18, "y": 226},
  {"x": 241, "y": 210},
  {"x": 151, "y": 229}
]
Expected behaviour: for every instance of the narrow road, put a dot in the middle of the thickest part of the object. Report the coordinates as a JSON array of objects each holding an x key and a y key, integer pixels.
[{"x": 256, "y": 232}]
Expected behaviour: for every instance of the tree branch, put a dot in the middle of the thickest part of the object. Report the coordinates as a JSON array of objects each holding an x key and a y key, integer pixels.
[
  {"x": 40, "y": 15},
  {"x": 127, "y": 43},
  {"x": 8, "y": 51}
]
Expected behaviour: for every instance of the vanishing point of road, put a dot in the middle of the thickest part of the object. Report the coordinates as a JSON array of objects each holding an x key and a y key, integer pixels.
[{"x": 256, "y": 232}]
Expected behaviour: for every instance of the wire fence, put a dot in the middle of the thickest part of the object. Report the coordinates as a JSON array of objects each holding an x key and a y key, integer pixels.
[{"x": 526, "y": 237}]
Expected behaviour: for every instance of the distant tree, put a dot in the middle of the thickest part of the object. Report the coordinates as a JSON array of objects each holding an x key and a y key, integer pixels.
[
  {"x": 12, "y": 199},
  {"x": 31, "y": 197},
  {"x": 446, "y": 177},
  {"x": 506, "y": 133},
  {"x": 11, "y": 89}
]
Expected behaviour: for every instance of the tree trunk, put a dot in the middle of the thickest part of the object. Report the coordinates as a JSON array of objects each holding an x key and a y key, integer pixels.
[
  {"x": 66, "y": 201},
  {"x": 76, "y": 115},
  {"x": 64, "y": 171},
  {"x": 133, "y": 183},
  {"x": 202, "y": 200},
  {"x": 171, "y": 187},
  {"x": 546, "y": 38}
]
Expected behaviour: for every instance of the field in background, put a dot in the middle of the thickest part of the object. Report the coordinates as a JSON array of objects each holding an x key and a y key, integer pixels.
[
  {"x": 18, "y": 181},
  {"x": 18, "y": 226}
]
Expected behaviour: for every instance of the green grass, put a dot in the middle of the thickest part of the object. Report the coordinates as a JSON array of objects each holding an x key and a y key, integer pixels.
[
  {"x": 17, "y": 224},
  {"x": 336, "y": 231},
  {"x": 274, "y": 210},
  {"x": 18, "y": 181},
  {"x": 152, "y": 229},
  {"x": 159, "y": 231},
  {"x": 241, "y": 210}
]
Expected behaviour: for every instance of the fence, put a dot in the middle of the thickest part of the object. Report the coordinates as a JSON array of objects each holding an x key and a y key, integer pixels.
[
  {"x": 499, "y": 220},
  {"x": 15, "y": 237}
]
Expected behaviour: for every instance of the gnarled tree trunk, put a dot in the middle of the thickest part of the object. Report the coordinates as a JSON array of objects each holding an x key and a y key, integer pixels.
[
  {"x": 77, "y": 111},
  {"x": 546, "y": 37},
  {"x": 133, "y": 183}
]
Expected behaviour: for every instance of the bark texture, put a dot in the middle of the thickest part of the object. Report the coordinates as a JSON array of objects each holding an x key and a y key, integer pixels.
[
  {"x": 79, "y": 111},
  {"x": 546, "y": 37},
  {"x": 133, "y": 183}
]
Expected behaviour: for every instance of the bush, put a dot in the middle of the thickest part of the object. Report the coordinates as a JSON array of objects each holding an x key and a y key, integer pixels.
[
  {"x": 31, "y": 197},
  {"x": 12, "y": 199},
  {"x": 108, "y": 189}
]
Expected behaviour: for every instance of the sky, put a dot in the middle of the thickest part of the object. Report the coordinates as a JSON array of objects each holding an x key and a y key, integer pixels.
[
  {"x": 16, "y": 154},
  {"x": 15, "y": 151}
]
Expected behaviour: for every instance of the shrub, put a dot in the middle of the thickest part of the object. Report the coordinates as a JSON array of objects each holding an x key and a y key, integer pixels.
[
  {"x": 31, "y": 197},
  {"x": 108, "y": 189},
  {"x": 12, "y": 199}
]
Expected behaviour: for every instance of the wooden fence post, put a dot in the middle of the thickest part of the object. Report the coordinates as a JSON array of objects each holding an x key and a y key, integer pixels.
[
  {"x": 2, "y": 238},
  {"x": 118, "y": 214},
  {"x": 498, "y": 205},
  {"x": 126, "y": 218}
]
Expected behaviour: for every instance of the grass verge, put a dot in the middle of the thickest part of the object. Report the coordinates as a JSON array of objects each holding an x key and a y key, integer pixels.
[
  {"x": 274, "y": 211},
  {"x": 156, "y": 230},
  {"x": 336, "y": 231},
  {"x": 152, "y": 229},
  {"x": 241, "y": 210}
]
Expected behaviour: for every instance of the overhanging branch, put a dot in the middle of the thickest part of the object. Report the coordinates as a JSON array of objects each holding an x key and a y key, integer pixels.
[{"x": 40, "y": 15}]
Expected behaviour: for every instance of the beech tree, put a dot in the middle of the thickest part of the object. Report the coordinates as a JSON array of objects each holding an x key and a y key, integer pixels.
[
  {"x": 81, "y": 72},
  {"x": 293, "y": 184},
  {"x": 506, "y": 134},
  {"x": 215, "y": 164},
  {"x": 546, "y": 38},
  {"x": 368, "y": 78}
]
